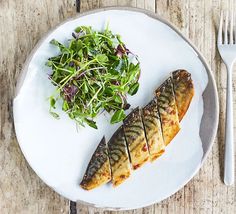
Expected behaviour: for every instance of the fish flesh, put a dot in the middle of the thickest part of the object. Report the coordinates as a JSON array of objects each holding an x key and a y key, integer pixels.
[
  {"x": 135, "y": 138},
  {"x": 168, "y": 110},
  {"x": 98, "y": 171},
  {"x": 152, "y": 127},
  {"x": 119, "y": 157},
  {"x": 184, "y": 91}
]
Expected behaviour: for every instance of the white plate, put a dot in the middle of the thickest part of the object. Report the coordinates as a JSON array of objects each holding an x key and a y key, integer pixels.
[{"x": 59, "y": 153}]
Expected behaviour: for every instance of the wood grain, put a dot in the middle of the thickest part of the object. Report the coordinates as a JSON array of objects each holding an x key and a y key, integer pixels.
[
  {"x": 22, "y": 25},
  {"x": 24, "y": 22}
]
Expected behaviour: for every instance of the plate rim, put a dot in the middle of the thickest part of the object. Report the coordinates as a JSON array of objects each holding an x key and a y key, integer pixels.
[{"x": 22, "y": 75}]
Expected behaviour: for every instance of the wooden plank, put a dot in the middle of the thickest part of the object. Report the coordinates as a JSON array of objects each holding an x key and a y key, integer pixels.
[
  {"x": 84, "y": 6},
  {"x": 88, "y": 4},
  {"x": 22, "y": 25},
  {"x": 202, "y": 195}
]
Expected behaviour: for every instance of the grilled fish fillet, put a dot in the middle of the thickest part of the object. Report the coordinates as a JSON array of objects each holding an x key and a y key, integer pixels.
[
  {"x": 119, "y": 157},
  {"x": 168, "y": 110},
  {"x": 135, "y": 138},
  {"x": 98, "y": 171},
  {"x": 152, "y": 127},
  {"x": 184, "y": 91},
  {"x": 158, "y": 124}
]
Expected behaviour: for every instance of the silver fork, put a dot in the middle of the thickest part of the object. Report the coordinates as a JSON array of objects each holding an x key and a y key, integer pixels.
[{"x": 227, "y": 48}]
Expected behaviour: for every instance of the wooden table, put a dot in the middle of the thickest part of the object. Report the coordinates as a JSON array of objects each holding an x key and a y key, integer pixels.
[{"x": 22, "y": 23}]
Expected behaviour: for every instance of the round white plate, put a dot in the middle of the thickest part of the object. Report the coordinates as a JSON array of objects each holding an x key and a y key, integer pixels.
[{"x": 59, "y": 153}]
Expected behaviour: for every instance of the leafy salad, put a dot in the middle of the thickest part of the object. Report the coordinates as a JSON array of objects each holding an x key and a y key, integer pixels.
[{"x": 93, "y": 73}]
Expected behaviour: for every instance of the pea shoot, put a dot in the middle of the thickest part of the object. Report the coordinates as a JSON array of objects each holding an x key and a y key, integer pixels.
[{"x": 95, "y": 72}]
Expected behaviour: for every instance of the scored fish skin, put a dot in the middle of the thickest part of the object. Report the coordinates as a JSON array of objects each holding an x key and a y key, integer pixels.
[
  {"x": 119, "y": 157},
  {"x": 98, "y": 171},
  {"x": 141, "y": 136},
  {"x": 184, "y": 91},
  {"x": 135, "y": 138},
  {"x": 152, "y": 127},
  {"x": 168, "y": 110}
]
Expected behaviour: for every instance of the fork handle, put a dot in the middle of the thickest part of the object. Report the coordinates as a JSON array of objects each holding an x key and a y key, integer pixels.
[{"x": 229, "y": 138}]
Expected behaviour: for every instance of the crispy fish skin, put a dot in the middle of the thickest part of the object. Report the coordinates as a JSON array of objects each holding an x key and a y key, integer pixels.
[
  {"x": 135, "y": 138},
  {"x": 98, "y": 171},
  {"x": 184, "y": 91},
  {"x": 119, "y": 157},
  {"x": 152, "y": 127},
  {"x": 168, "y": 110}
]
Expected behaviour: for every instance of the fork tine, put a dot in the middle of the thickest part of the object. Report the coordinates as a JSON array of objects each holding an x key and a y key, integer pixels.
[
  {"x": 231, "y": 34},
  {"x": 226, "y": 28},
  {"x": 234, "y": 28},
  {"x": 220, "y": 28}
]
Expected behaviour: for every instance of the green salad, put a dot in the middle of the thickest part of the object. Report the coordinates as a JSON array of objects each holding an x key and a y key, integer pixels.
[{"x": 93, "y": 73}]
